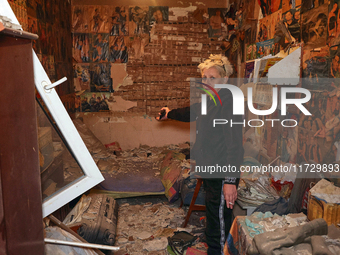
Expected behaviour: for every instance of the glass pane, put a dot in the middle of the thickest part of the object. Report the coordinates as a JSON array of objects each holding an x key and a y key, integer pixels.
[{"x": 58, "y": 167}]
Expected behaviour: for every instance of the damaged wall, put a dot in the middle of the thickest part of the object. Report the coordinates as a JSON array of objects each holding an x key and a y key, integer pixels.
[
  {"x": 315, "y": 24},
  {"x": 161, "y": 57}
]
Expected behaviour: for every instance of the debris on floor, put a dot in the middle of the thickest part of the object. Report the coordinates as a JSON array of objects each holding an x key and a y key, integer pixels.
[
  {"x": 139, "y": 158},
  {"x": 140, "y": 171},
  {"x": 144, "y": 228}
]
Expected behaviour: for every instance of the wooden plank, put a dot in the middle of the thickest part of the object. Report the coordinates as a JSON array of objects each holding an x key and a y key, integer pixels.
[{"x": 20, "y": 172}]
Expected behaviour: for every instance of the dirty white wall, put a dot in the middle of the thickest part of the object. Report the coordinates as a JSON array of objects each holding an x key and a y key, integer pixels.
[{"x": 131, "y": 131}]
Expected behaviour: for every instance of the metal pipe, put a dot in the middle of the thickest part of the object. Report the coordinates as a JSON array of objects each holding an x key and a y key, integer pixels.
[
  {"x": 79, "y": 244},
  {"x": 66, "y": 228}
]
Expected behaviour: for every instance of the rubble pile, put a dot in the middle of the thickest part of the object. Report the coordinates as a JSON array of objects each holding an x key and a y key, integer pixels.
[
  {"x": 144, "y": 157},
  {"x": 144, "y": 229}
]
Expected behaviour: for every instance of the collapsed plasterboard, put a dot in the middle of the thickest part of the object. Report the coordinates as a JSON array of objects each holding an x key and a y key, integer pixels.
[
  {"x": 286, "y": 71},
  {"x": 326, "y": 191}
]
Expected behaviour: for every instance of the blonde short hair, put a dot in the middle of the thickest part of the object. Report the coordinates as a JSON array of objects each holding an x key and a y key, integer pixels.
[{"x": 221, "y": 63}]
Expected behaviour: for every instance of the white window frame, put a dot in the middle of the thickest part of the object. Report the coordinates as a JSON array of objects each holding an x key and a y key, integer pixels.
[{"x": 92, "y": 175}]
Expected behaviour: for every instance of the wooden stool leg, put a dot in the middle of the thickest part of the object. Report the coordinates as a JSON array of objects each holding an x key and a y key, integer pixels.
[{"x": 193, "y": 200}]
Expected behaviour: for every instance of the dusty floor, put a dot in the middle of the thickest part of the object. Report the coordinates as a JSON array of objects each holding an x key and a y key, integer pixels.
[{"x": 144, "y": 224}]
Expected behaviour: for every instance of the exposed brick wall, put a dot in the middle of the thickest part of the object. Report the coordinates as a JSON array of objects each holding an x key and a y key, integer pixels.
[{"x": 161, "y": 76}]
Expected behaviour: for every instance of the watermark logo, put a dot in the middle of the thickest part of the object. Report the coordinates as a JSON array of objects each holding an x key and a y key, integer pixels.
[
  {"x": 239, "y": 104},
  {"x": 238, "y": 100},
  {"x": 204, "y": 96}
]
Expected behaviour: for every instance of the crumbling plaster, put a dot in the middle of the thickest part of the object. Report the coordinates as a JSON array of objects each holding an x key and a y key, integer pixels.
[{"x": 131, "y": 129}]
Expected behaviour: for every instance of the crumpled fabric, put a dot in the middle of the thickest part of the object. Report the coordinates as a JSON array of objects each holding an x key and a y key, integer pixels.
[{"x": 278, "y": 206}]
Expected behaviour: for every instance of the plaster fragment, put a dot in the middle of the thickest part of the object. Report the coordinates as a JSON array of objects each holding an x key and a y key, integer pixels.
[
  {"x": 118, "y": 75},
  {"x": 120, "y": 104},
  {"x": 176, "y": 12}
]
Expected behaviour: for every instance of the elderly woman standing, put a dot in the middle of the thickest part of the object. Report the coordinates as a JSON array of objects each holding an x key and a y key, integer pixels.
[{"x": 220, "y": 145}]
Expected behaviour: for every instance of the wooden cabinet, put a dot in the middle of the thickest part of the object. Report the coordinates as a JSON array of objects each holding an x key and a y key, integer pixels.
[{"x": 21, "y": 228}]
